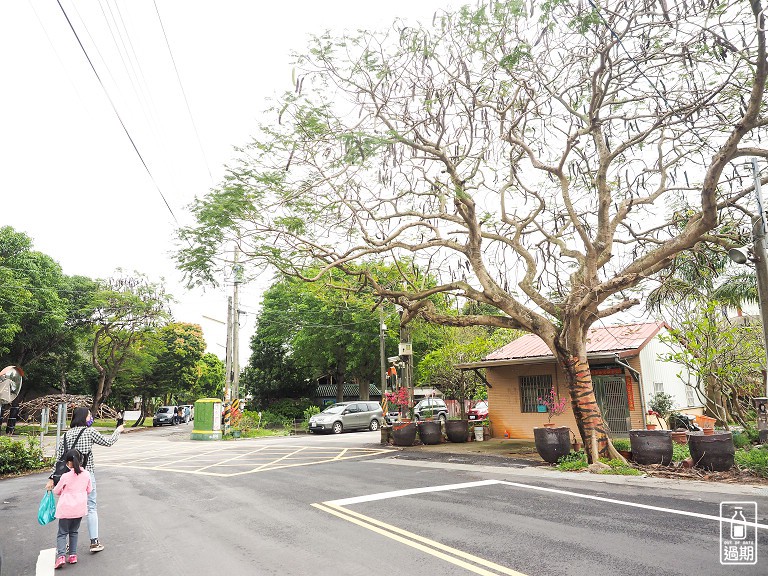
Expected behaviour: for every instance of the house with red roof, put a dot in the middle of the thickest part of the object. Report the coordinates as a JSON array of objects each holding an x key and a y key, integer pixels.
[{"x": 626, "y": 366}]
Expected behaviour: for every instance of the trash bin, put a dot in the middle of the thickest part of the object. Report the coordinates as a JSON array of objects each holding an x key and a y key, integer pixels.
[{"x": 207, "y": 419}]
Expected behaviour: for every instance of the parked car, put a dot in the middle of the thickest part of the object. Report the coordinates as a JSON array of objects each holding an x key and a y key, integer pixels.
[
  {"x": 431, "y": 408},
  {"x": 164, "y": 415},
  {"x": 479, "y": 411},
  {"x": 348, "y": 416}
]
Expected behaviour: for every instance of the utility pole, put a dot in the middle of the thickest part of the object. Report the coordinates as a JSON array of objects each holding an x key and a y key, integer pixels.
[
  {"x": 236, "y": 329},
  {"x": 406, "y": 355},
  {"x": 228, "y": 362},
  {"x": 382, "y": 352}
]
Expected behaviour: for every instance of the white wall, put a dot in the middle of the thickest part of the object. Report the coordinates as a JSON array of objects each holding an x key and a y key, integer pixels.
[{"x": 656, "y": 370}]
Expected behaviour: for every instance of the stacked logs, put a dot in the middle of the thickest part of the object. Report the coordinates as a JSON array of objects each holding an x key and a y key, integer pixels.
[{"x": 30, "y": 410}]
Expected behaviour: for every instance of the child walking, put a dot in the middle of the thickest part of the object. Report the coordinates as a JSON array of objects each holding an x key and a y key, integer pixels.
[{"x": 72, "y": 490}]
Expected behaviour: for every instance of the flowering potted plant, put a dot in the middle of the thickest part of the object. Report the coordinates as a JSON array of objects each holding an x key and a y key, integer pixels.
[
  {"x": 552, "y": 442},
  {"x": 554, "y": 406},
  {"x": 403, "y": 431}
]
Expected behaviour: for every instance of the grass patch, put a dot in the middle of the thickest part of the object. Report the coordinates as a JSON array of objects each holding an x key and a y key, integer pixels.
[
  {"x": 573, "y": 461},
  {"x": 619, "y": 468},
  {"x": 754, "y": 460}
]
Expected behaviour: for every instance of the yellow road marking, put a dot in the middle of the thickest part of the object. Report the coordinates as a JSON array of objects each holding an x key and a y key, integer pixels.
[
  {"x": 340, "y": 454},
  {"x": 418, "y": 542}
]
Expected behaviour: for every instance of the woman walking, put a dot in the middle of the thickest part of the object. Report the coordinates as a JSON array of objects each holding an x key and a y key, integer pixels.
[
  {"x": 73, "y": 489},
  {"x": 81, "y": 422}
]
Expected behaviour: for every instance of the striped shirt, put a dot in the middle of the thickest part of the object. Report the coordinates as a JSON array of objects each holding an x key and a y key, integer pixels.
[{"x": 85, "y": 442}]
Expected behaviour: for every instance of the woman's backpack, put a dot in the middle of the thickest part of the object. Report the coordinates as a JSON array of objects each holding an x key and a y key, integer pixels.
[{"x": 61, "y": 464}]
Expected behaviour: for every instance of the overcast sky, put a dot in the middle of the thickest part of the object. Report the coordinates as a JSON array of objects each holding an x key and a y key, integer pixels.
[{"x": 70, "y": 177}]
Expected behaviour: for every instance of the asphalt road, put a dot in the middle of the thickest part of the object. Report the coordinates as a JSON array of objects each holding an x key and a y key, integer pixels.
[{"x": 335, "y": 505}]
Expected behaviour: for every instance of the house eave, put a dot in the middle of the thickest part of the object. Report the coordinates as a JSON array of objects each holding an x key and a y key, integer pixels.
[{"x": 542, "y": 359}]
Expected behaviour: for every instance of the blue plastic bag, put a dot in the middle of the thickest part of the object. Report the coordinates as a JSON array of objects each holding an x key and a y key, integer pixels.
[{"x": 47, "y": 511}]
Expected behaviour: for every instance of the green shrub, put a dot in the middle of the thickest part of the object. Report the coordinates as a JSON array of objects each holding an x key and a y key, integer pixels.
[
  {"x": 755, "y": 460},
  {"x": 268, "y": 419},
  {"x": 661, "y": 403},
  {"x": 290, "y": 408},
  {"x": 752, "y": 434},
  {"x": 20, "y": 456},
  {"x": 680, "y": 452},
  {"x": 622, "y": 444},
  {"x": 311, "y": 411},
  {"x": 572, "y": 461},
  {"x": 740, "y": 440}
]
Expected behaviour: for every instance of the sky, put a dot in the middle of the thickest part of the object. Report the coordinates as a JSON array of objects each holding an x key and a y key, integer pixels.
[{"x": 70, "y": 176}]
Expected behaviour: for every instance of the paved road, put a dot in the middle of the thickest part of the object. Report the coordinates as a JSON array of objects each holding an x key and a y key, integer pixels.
[{"x": 338, "y": 505}]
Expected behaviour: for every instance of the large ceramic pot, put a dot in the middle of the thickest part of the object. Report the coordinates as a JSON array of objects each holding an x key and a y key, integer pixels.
[
  {"x": 552, "y": 443},
  {"x": 651, "y": 446},
  {"x": 404, "y": 433},
  {"x": 712, "y": 451},
  {"x": 457, "y": 430},
  {"x": 430, "y": 432}
]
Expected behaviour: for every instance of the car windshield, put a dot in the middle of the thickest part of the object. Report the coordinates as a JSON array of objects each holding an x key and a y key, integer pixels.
[
  {"x": 481, "y": 406},
  {"x": 163, "y": 410},
  {"x": 335, "y": 409}
]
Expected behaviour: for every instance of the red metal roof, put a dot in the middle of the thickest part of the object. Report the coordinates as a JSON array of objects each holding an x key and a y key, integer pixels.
[{"x": 603, "y": 339}]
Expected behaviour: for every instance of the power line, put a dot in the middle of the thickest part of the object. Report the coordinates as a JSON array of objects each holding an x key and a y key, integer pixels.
[
  {"x": 183, "y": 92},
  {"x": 125, "y": 129}
]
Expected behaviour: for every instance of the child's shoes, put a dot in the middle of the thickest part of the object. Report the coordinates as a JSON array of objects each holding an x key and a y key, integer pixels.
[
  {"x": 72, "y": 559},
  {"x": 59, "y": 562}
]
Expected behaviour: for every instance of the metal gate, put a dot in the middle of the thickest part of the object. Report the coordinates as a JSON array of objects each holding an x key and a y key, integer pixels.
[{"x": 611, "y": 395}]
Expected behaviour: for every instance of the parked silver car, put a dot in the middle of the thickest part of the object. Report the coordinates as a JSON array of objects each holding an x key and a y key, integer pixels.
[
  {"x": 165, "y": 415},
  {"x": 348, "y": 416}
]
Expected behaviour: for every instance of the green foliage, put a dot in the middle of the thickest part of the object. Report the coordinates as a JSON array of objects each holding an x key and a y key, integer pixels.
[
  {"x": 740, "y": 440},
  {"x": 752, "y": 433},
  {"x": 754, "y": 460},
  {"x": 680, "y": 452},
  {"x": 311, "y": 411},
  {"x": 619, "y": 467},
  {"x": 291, "y": 408},
  {"x": 622, "y": 444},
  {"x": 572, "y": 461},
  {"x": 661, "y": 403},
  {"x": 18, "y": 456}
]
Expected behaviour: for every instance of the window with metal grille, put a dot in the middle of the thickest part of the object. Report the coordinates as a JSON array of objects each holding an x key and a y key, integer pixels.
[
  {"x": 690, "y": 396},
  {"x": 658, "y": 387},
  {"x": 531, "y": 389}
]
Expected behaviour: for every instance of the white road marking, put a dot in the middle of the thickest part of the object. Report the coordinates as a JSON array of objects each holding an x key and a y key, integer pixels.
[
  {"x": 427, "y": 489},
  {"x": 409, "y": 492},
  {"x": 45, "y": 561}
]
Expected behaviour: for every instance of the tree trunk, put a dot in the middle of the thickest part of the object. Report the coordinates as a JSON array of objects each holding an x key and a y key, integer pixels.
[
  {"x": 589, "y": 419},
  {"x": 364, "y": 390}
]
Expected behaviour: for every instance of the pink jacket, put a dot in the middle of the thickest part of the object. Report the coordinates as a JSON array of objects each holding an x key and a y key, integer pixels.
[{"x": 73, "y": 490}]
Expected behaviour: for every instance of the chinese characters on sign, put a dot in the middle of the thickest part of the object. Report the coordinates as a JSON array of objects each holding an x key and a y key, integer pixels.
[{"x": 738, "y": 533}]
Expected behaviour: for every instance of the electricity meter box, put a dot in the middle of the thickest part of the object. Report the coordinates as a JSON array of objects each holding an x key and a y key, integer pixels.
[{"x": 207, "y": 422}]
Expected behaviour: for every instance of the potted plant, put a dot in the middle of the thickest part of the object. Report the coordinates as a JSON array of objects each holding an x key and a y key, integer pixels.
[
  {"x": 404, "y": 430},
  {"x": 552, "y": 441},
  {"x": 660, "y": 405},
  {"x": 553, "y": 405}
]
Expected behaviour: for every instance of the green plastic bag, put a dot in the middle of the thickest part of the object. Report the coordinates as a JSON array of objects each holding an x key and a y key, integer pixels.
[{"x": 47, "y": 511}]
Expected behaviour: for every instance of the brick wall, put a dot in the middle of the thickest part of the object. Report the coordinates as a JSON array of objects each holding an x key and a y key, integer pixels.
[{"x": 504, "y": 403}]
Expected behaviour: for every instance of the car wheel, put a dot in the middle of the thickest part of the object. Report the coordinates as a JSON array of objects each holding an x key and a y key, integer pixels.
[
  {"x": 442, "y": 418},
  {"x": 416, "y": 417},
  {"x": 338, "y": 427},
  {"x": 374, "y": 425}
]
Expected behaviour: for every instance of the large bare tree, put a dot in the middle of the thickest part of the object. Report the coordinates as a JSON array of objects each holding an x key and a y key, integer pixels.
[{"x": 540, "y": 158}]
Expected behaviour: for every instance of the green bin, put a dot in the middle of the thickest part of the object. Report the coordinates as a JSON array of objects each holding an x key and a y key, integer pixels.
[{"x": 207, "y": 422}]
